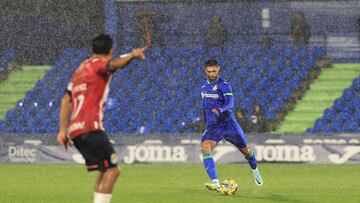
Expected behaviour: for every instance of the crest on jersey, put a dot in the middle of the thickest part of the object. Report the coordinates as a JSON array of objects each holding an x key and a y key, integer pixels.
[
  {"x": 113, "y": 159},
  {"x": 215, "y": 88}
]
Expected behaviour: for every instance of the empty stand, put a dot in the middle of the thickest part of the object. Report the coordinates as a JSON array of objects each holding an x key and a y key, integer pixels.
[
  {"x": 344, "y": 115},
  {"x": 162, "y": 93}
]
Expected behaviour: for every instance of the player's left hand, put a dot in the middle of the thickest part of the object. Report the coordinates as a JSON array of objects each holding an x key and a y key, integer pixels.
[
  {"x": 63, "y": 140},
  {"x": 215, "y": 111}
]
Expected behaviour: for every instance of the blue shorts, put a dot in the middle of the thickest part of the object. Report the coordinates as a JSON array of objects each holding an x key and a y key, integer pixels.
[{"x": 230, "y": 132}]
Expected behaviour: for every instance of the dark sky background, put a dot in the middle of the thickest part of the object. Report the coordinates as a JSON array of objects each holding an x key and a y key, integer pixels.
[{"x": 40, "y": 30}]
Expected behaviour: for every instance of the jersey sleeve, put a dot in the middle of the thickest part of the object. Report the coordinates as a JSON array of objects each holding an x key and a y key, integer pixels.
[
  {"x": 69, "y": 88},
  {"x": 226, "y": 89},
  {"x": 228, "y": 96}
]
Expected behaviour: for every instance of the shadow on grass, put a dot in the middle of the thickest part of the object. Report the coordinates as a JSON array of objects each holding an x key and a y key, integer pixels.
[
  {"x": 272, "y": 197},
  {"x": 248, "y": 197}
]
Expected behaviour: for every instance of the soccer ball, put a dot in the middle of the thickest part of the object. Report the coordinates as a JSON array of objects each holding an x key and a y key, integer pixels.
[{"x": 229, "y": 187}]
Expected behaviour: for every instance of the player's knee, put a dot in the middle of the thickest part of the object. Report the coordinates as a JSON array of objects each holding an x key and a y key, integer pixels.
[
  {"x": 205, "y": 148},
  {"x": 246, "y": 151},
  {"x": 116, "y": 171}
]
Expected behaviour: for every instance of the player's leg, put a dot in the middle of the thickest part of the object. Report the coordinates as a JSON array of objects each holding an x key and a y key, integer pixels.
[
  {"x": 99, "y": 155},
  {"x": 209, "y": 163},
  {"x": 104, "y": 185},
  {"x": 236, "y": 136},
  {"x": 98, "y": 181},
  {"x": 107, "y": 161},
  {"x": 108, "y": 180},
  {"x": 208, "y": 142},
  {"x": 250, "y": 156}
]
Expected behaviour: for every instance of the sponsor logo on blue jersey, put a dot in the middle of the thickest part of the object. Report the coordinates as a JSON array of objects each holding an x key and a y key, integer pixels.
[{"x": 212, "y": 96}]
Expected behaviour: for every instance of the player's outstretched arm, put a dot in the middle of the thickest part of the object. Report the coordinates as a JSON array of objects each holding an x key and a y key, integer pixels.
[
  {"x": 62, "y": 138},
  {"x": 229, "y": 103},
  {"x": 120, "y": 63},
  {"x": 229, "y": 99}
]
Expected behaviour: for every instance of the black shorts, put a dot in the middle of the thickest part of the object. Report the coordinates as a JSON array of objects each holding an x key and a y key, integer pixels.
[{"x": 98, "y": 152}]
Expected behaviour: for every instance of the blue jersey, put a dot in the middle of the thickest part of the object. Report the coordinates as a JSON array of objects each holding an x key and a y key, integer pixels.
[{"x": 217, "y": 95}]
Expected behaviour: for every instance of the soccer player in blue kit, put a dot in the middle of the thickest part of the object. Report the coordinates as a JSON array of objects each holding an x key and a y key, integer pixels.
[{"x": 221, "y": 124}]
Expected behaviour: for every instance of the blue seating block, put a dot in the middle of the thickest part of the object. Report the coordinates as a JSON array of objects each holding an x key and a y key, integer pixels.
[
  {"x": 345, "y": 112},
  {"x": 160, "y": 95}
]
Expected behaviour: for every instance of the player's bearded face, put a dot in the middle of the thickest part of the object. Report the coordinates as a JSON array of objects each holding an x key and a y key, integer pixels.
[{"x": 212, "y": 72}]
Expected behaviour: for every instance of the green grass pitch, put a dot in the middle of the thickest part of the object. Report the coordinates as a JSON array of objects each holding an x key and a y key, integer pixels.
[{"x": 295, "y": 183}]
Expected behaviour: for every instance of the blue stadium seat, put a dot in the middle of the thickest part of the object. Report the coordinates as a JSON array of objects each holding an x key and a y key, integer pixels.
[
  {"x": 164, "y": 80},
  {"x": 345, "y": 112}
]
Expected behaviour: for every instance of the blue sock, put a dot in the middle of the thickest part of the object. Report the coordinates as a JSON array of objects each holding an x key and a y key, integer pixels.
[
  {"x": 210, "y": 166},
  {"x": 252, "y": 160}
]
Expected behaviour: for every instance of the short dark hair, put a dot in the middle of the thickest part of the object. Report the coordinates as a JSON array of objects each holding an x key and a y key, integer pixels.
[
  {"x": 211, "y": 62},
  {"x": 102, "y": 44}
]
